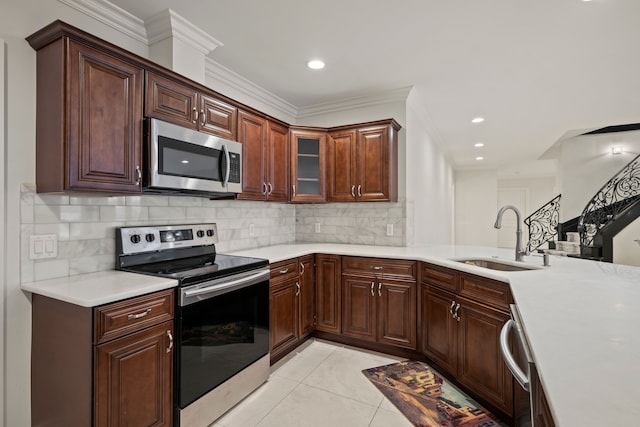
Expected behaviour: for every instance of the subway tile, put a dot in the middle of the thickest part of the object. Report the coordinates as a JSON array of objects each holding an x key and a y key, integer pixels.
[
  {"x": 123, "y": 213},
  {"x": 59, "y": 229},
  {"x": 185, "y": 201},
  {"x": 50, "y": 199},
  {"x": 147, "y": 201},
  {"x": 93, "y": 230},
  {"x": 50, "y": 269},
  {"x": 160, "y": 213},
  {"x": 90, "y": 264},
  {"x": 98, "y": 201},
  {"x": 44, "y": 214}
]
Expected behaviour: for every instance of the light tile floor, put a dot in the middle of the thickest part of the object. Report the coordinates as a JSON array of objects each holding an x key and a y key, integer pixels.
[{"x": 318, "y": 385}]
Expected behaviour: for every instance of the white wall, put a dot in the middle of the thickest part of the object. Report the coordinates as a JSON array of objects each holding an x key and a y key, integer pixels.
[
  {"x": 586, "y": 164},
  {"x": 626, "y": 245},
  {"x": 429, "y": 186},
  {"x": 476, "y": 206},
  {"x": 3, "y": 226}
]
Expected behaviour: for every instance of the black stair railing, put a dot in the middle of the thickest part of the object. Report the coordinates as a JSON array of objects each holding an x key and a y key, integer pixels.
[
  {"x": 543, "y": 223},
  {"x": 618, "y": 194}
]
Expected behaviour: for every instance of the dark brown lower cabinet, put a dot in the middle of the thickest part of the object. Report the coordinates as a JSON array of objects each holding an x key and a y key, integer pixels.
[
  {"x": 283, "y": 309},
  {"x": 110, "y": 365},
  {"x": 328, "y": 293},
  {"x": 439, "y": 330},
  {"x": 307, "y": 295},
  {"x": 133, "y": 380}
]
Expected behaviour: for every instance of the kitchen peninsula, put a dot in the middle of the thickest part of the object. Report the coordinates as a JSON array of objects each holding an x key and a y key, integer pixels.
[{"x": 580, "y": 318}]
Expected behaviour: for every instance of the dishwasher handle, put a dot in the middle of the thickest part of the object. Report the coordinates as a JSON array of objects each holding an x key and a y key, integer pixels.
[{"x": 509, "y": 360}]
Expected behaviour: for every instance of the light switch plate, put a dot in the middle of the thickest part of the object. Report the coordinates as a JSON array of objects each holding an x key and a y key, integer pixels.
[
  {"x": 389, "y": 229},
  {"x": 43, "y": 246}
]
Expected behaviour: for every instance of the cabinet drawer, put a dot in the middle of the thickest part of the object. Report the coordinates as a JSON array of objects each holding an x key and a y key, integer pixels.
[
  {"x": 284, "y": 270},
  {"x": 438, "y": 276},
  {"x": 128, "y": 316},
  {"x": 389, "y": 268},
  {"x": 491, "y": 292}
]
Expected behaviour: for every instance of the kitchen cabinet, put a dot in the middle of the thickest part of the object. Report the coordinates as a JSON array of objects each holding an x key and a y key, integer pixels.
[
  {"x": 169, "y": 100},
  {"x": 265, "y": 158},
  {"x": 363, "y": 162},
  {"x": 328, "y": 293},
  {"x": 88, "y": 116},
  {"x": 308, "y": 163},
  {"x": 291, "y": 304},
  {"x": 110, "y": 365},
  {"x": 379, "y": 300},
  {"x": 540, "y": 410},
  {"x": 461, "y": 316}
]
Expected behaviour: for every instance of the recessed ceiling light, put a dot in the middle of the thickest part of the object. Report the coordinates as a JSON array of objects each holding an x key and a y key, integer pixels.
[
  {"x": 315, "y": 64},
  {"x": 478, "y": 120},
  {"x": 479, "y": 158},
  {"x": 616, "y": 149},
  {"x": 185, "y": 161},
  {"x": 478, "y": 144}
]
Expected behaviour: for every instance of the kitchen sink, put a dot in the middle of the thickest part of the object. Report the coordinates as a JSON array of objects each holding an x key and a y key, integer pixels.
[{"x": 494, "y": 264}]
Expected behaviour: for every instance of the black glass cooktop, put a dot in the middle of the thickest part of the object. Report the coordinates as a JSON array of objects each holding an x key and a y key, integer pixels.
[{"x": 200, "y": 268}]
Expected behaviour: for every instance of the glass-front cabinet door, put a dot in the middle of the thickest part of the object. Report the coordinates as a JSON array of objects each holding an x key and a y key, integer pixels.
[{"x": 308, "y": 154}]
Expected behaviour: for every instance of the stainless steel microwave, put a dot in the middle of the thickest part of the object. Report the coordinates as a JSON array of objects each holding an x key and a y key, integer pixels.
[{"x": 185, "y": 161}]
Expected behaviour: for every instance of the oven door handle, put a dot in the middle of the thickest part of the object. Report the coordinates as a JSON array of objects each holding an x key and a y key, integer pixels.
[
  {"x": 509, "y": 360},
  {"x": 224, "y": 287}
]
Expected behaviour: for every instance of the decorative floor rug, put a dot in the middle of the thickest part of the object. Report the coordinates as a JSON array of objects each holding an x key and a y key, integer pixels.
[{"x": 426, "y": 398}]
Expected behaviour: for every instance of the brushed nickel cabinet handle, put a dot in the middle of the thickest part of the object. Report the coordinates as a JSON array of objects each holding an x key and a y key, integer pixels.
[
  {"x": 264, "y": 189},
  {"x": 294, "y": 190},
  {"x": 203, "y": 118},
  {"x": 194, "y": 116},
  {"x": 138, "y": 175},
  {"x": 270, "y": 188},
  {"x": 297, "y": 288},
  {"x": 379, "y": 289},
  {"x": 170, "y": 341},
  {"x": 453, "y": 304},
  {"x": 359, "y": 190},
  {"x": 455, "y": 312},
  {"x": 377, "y": 267},
  {"x": 139, "y": 315},
  {"x": 353, "y": 191},
  {"x": 285, "y": 271},
  {"x": 301, "y": 269},
  {"x": 372, "y": 293}
]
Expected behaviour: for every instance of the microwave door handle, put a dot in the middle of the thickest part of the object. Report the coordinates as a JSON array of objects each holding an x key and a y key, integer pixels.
[{"x": 227, "y": 161}]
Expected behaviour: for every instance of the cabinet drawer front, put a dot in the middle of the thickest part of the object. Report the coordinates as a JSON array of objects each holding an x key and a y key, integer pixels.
[
  {"x": 438, "y": 276},
  {"x": 388, "y": 268},
  {"x": 284, "y": 270},
  {"x": 128, "y": 316},
  {"x": 491, "y": 292}
]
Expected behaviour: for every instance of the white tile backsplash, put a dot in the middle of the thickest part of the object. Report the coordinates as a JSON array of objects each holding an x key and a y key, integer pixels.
[{"x": 85, "y": 226}]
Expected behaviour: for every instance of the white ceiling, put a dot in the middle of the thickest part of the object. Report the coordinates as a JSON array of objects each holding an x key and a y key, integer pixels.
[{"x": 534, "y": 69}]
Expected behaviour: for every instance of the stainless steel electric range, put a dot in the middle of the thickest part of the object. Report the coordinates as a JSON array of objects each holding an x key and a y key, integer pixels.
[{"x": 222, "y": 315}]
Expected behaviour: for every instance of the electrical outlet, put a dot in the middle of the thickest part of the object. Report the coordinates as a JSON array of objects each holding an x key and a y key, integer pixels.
[
  {"x": 252, "y": 230},
  {"x": 389, "y": 229},
  {"x": 43, "y": 246},
  {"x": 317, "y": 227}
]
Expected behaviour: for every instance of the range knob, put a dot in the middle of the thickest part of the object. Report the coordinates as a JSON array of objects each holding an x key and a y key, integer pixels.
[
  {"x": 135, "y": 238},
  {"x": 209, "y": 233},
  {"x": 200, "y": 233},
  {"x": 150, "y": 237}
]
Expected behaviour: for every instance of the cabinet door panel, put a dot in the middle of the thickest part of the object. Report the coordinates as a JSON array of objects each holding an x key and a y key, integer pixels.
[
  {"x": 170, "y": 101},
  {"x": 283, "y": 313},
  {"x": 105, "y": 122},
  {"x": 397, "y": 313},
  {"x": 308, "y": 163},
  {"x": 328, "y": 293},
  {"x": 307, "y": 295},
  {"x": 373, "y": 164},
  {"x": 359, "y": 308},
  {"x": 133, "y": 379},
  {"x": 480, "y": 364},
  {"x": 252, "y": 133},
  {"x": 439, "y": 329},
  {"x": 217, "y": 117},
  {"x": 341, "y": 169},
  {"x": 278, "y": 164}
]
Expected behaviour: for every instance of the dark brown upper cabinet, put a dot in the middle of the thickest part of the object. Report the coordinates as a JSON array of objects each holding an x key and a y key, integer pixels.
[
  {"x": 363, "y": 162},
  {"x": 88, "y": 116},
  {"x": 183, "y": 105},
  {"x": 308, "y": 160}
]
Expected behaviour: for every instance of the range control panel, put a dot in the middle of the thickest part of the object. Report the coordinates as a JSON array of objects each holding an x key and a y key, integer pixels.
[{"x": 155, "y": 238}]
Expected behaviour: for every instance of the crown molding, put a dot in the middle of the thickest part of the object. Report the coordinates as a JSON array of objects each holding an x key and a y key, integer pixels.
[
  {"x": 382, "y": 97},
  {"x": 218, "y": 72},
  {"x": 111, "y": 15},
  {"x": 168, "y": 23}
]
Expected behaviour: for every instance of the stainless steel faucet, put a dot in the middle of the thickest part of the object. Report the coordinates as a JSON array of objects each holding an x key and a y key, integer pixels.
[{"x": 520, "y": 252}]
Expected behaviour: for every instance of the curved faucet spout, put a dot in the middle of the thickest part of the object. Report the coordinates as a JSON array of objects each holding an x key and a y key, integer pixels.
[{"x": 520, "y": 252}]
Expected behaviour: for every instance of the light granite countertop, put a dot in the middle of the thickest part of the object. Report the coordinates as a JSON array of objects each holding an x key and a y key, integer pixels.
[{"x": 580, "y": 317}]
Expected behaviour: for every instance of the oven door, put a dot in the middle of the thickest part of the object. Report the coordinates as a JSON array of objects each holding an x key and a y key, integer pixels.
[
  {"x": 185, "y": 159},
  {"x": 222, "y": 328}
]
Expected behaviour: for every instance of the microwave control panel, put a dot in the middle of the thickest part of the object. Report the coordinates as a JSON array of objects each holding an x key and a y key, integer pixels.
[{"x": 234, "y": 167}]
